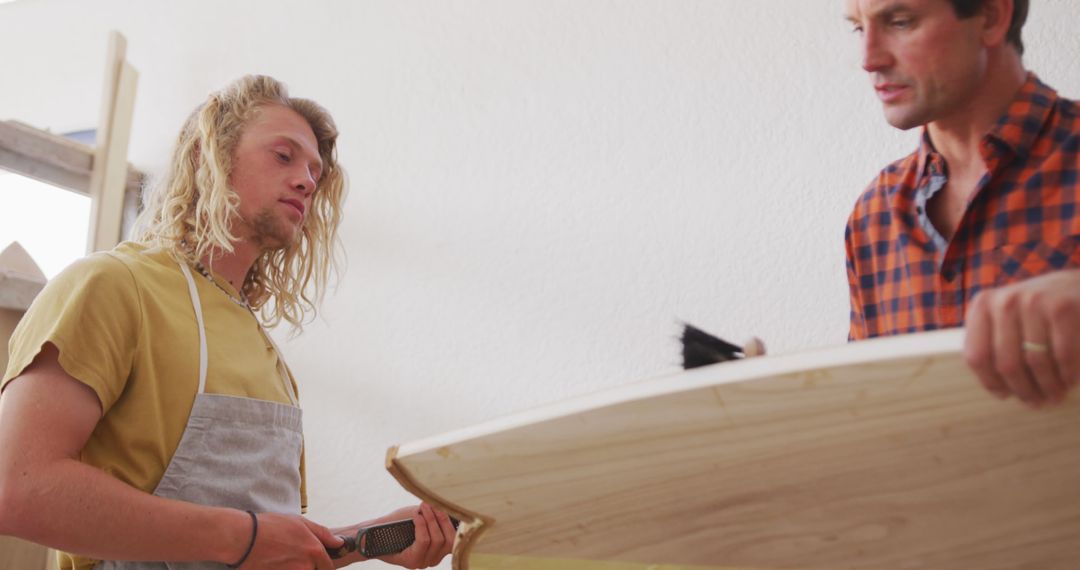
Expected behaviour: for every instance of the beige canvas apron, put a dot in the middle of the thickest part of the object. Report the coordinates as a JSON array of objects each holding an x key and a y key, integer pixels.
[{"x": 235, "y": 452}]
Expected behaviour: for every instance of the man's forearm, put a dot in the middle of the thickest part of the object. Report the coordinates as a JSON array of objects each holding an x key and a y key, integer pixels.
[{"x": 77, "y": 508}]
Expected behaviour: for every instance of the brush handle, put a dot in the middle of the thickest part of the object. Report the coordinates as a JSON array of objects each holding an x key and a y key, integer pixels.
[{"x": 754, "y": 347}]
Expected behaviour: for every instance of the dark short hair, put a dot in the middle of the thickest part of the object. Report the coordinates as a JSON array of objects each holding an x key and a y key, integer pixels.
[{"x": 968, "y": 8}]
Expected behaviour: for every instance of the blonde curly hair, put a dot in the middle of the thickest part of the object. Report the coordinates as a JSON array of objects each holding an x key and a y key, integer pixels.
[{"x": 191, "y": 211}]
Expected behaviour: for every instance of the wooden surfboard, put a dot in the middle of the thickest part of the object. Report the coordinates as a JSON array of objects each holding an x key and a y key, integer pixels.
[{"x": 882, "y": 454}]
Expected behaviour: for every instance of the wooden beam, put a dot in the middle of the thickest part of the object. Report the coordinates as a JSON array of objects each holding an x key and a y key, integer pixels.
[
  {"x": 43, "y": 156},
  {"x": 54, "y": 159},
  {"x": 108, "y": 178}
]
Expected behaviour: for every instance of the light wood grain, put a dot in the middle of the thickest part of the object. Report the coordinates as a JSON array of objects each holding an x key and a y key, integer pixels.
[
  {"x": 881, "y": 454},
  {"x": 498, "y": 562}
]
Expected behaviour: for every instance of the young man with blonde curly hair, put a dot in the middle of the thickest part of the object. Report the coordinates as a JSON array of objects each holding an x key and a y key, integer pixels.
[{"x": 145, "y": 414}]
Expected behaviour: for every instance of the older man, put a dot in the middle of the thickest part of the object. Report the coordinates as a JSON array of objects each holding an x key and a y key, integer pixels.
[{"x": 979, "y": 225}]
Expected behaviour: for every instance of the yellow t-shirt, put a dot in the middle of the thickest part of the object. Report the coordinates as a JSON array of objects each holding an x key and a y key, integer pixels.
[{"x": 124, "y": 326}]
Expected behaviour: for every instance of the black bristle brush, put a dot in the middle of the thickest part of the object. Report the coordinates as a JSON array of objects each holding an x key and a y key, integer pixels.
[{"x": 700, "y": 348}]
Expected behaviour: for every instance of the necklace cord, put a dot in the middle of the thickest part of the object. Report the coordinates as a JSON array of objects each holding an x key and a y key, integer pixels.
[{"x": 242, "y": 301}]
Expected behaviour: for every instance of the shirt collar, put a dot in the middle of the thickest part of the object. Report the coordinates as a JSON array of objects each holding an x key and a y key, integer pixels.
[
  {"x": 1017, "y": 128},
  {"x": 1021, "y": 124},
  {"x": 926, "y": 149}
]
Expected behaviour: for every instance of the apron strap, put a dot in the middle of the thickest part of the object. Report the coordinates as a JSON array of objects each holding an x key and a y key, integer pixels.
[
  {"x": 283, "y": 372},
  {"x": 195, "y": 302}
]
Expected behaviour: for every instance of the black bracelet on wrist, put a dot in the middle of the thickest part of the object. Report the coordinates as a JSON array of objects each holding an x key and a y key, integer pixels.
[{"x": 254, "y": 533}]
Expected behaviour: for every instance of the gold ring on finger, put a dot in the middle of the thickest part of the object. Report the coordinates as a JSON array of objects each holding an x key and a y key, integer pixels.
[{"x": 1034, "y": 346}]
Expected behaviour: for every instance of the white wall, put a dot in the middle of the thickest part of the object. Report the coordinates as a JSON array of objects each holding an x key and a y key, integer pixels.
[{"x": 540, "y": 189}]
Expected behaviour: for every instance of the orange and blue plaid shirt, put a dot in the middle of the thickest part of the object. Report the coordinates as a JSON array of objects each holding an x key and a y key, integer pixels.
[{"x": 1021, "y": 221}]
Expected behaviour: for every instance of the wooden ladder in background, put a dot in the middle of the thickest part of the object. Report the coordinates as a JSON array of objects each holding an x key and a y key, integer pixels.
[{"x": 102, "y": 172}]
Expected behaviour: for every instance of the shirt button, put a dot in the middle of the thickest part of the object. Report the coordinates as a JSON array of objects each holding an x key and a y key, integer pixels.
[{"x": 949, "y": 275}]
